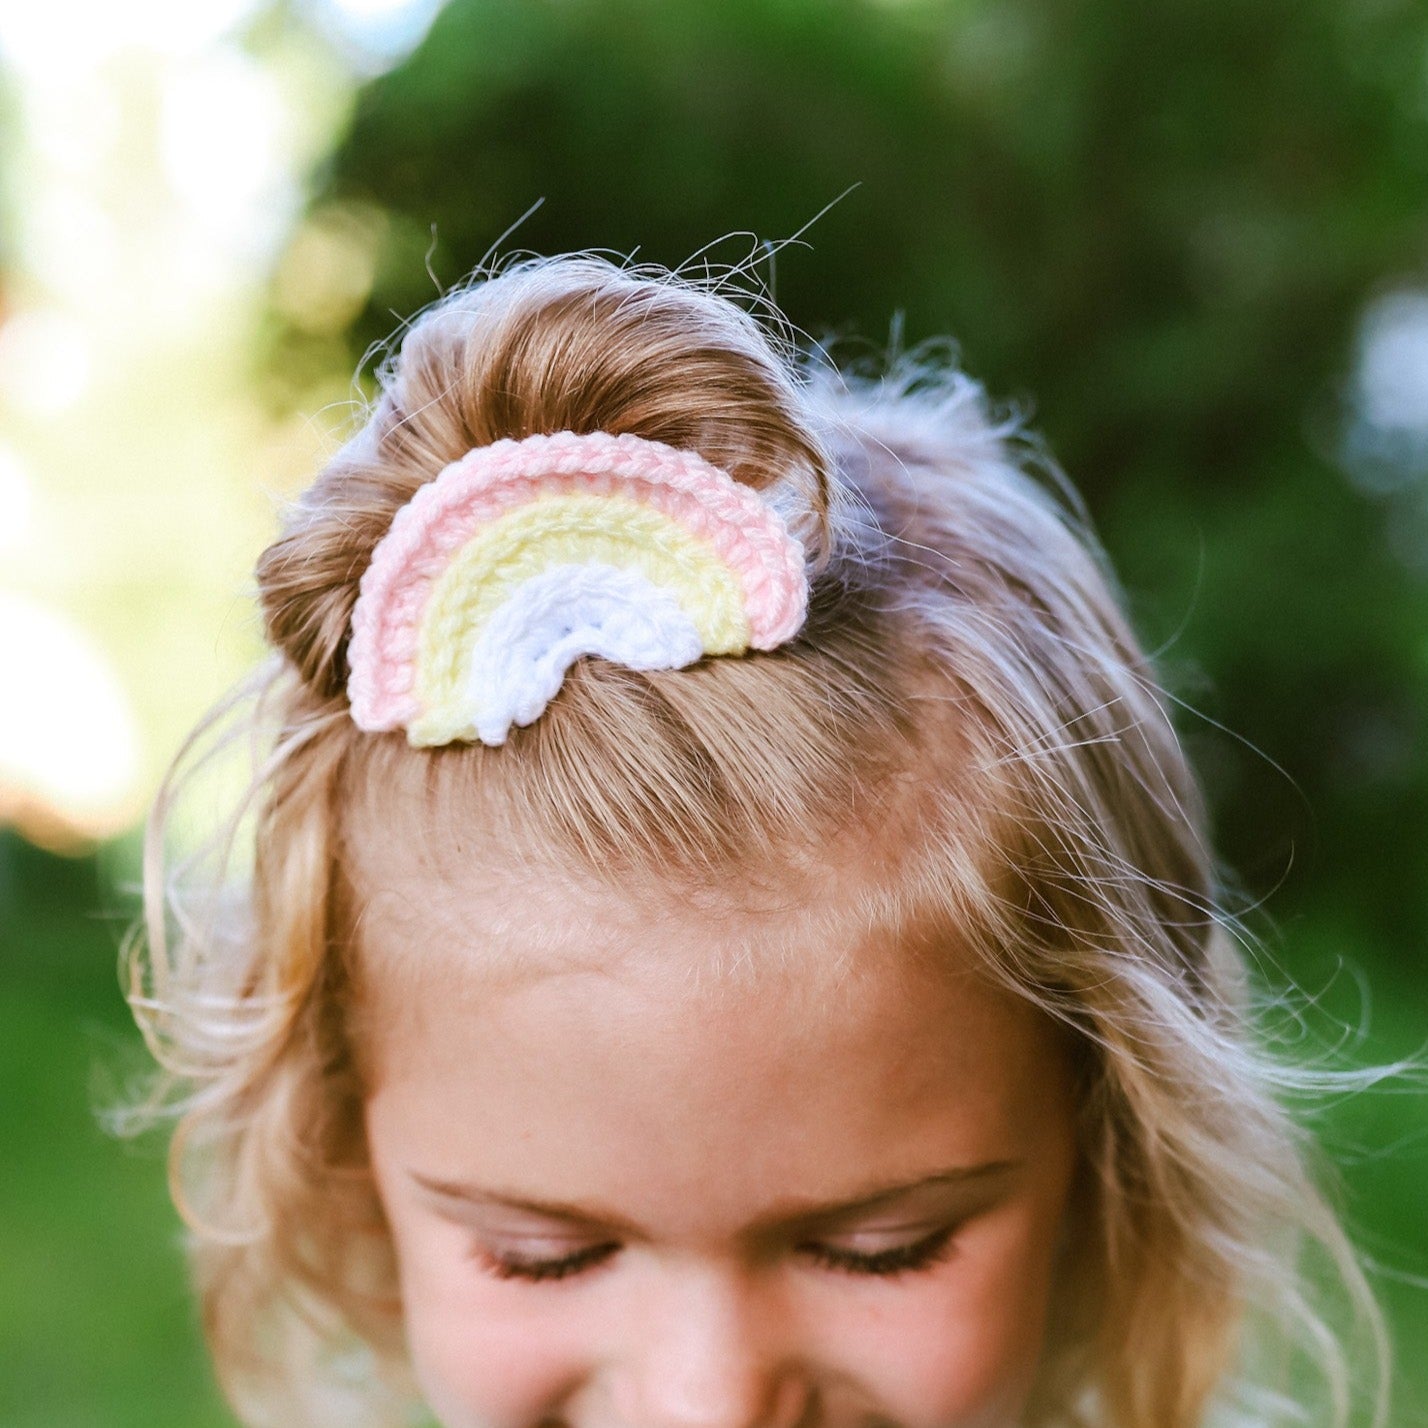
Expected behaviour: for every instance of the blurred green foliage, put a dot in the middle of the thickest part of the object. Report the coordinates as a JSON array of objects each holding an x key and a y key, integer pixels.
[{"x": 97, "y": 1327}]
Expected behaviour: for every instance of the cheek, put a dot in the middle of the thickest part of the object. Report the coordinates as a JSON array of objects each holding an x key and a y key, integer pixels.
[
  {"x": 958, "y": 1347},
  {"x": 484, "y": 1354}
]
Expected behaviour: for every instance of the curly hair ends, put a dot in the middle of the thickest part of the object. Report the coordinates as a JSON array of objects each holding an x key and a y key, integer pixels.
[{"x": 966, "y": 683}]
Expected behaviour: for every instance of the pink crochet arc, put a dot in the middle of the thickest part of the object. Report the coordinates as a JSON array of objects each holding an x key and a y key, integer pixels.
[{"x": 476, "y": 489}]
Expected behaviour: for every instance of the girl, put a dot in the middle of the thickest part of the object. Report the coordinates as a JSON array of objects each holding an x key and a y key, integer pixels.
[{"x": 730, "y": 940}]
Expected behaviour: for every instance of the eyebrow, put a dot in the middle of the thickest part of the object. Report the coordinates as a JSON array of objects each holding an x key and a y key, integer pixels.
[{"x": 860, "y": 1202}]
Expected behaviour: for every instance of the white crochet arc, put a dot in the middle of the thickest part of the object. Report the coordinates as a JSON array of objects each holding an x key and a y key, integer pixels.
[{"x": 554, "y": 618}]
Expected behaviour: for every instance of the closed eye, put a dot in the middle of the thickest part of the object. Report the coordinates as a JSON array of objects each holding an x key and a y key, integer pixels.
[
  {"x": 512, "y": 1266},
  {"x": 886, "y": 1263},
  {"x": 894, "y": 1260}
]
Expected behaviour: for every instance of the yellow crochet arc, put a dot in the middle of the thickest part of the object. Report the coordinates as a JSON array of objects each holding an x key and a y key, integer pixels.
[{"x": 574, "y": 529}]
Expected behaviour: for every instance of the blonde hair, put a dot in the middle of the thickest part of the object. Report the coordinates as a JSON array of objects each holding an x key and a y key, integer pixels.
[{"x": 966, "y": 676}]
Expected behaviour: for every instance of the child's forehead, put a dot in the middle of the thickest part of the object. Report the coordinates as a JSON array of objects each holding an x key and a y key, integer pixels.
[
  {"x": 674, "y": 989},
  {"x": 693, "y": 1113}
]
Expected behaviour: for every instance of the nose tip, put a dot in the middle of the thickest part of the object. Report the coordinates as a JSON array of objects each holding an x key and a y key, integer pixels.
[
  {"x": 715, "y": 1360},
  {"x": 748, "y": 1401}
]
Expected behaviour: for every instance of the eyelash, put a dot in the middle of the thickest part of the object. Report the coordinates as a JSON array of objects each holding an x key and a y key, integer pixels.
[
  {"x": 506, "y": 1267},
  {"x": 885, "y": 1264}
]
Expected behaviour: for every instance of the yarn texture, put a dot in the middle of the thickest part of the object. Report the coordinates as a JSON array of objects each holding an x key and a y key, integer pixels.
[{"x": 523, "y": 556}]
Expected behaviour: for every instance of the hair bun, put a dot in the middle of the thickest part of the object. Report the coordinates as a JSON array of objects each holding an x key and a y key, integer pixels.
[{"x": 552, "y": 345}]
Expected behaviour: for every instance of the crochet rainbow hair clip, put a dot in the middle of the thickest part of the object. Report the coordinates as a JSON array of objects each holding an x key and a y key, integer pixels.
[{"x": 522, "y": 556}]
